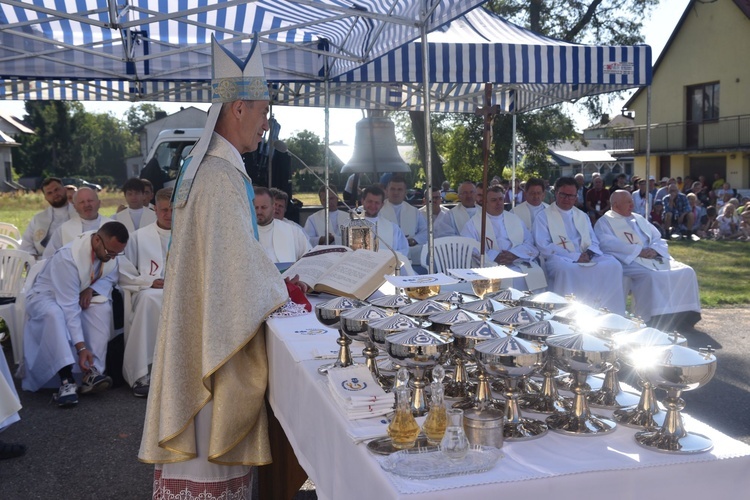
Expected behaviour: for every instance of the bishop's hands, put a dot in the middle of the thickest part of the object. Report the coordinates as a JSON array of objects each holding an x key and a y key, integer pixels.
[
  {"x": 297, "y": 290},
  {"x": 295, "y": 281}
]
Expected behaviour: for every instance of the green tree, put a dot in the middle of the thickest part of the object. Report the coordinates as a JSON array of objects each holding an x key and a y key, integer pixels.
[
  {"x": 139, "y": 115},
  {"x": 308, "y": 146}
]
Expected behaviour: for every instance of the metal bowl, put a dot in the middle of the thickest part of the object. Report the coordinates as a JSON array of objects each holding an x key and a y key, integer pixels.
[
  {"x": 510, "y": 356},
  {"x": 674, "y": 366},
  {"x": 509, "y": 296},
  {"x": 379, "y": 329},
  {"x": 417, "y": 347},
  {"x": 354, "y": 322},
  {"x": 540, "y": 330},
  {"x": 606, "y": 325},
  {"x": 442, "y": 321},
  {"x": 391, "y": 301},
  {"x": 575, "y": 312},
  {"x": 424, "y": 308},
  {"x": 329, "y": 312},
  {"x": 485, "y": 307},
  {"x": 645, "y": 337},
  {"x": 581, "y": 352},
  {"x": 545, "y": 300},
  {"x": 453, "y": 298},
  {"x": 468, "y": 335},
  {"x": 515, "y": 316}
]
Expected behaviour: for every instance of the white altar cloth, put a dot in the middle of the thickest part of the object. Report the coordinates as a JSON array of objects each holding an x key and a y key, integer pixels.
[{"x": 553, "y": 466}]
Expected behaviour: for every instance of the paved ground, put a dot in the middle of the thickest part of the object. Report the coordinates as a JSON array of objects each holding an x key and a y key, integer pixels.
[{"x": 89, "y": 452}]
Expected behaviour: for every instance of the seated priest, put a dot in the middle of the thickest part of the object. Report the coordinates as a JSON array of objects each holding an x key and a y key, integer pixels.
[
  {"x": 529, "y": 209},
  {"x": 69, "y": 314},
  {"x": 86, "y": 203},
  {"x": 461, "y": 213},
  {"x": 411, "y": 221},
  {"x": 315, "y": 225},
  {"x": 43, "y": 225},
  {"x": 142, "y": 272},
  {"x": 373, "y": 199},
  {"x": 665, "y": 291},
  {"x": 283, "y": 242},
  {"x": 439, "y": 212},
  {"x": 507, "y": 241},
  {"x": 135, "y": 215},
  {"x": 573, "y": 262}
]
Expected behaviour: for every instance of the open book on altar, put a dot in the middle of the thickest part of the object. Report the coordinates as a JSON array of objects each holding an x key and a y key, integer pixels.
[{"x": 341, "y": 271}]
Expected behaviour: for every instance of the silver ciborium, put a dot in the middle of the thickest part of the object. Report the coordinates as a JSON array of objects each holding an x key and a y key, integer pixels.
[
  {"x": 674, "y": 369},
  {"x": 354, "y": 326},
  {"x": 546, "y": 399},
  {"x": 545, "y": 300},
  {"x": 580, "y": 354},
  {"x": 508, "y": 296},
  {"x": 483, "y": 307},
  {"x": 513, "y": 359},
  {"x": 646, "y": 414},
  {"x": 442, "y": 321},
  {"x": 465, "y": 337},
  {"x": 378, "y": 330},
  {"x": 517, "y": 316},
  {"x": 418, "y": 350},
  {"x": 453, "y": 297},
  {"x": 329, "y": 314},
  {"x": 421, "y": 309},
  {"x": 394, "y": 302}
]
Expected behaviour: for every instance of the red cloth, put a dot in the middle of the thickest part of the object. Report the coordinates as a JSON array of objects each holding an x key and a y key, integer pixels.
[{"x": 297, "y": 295}]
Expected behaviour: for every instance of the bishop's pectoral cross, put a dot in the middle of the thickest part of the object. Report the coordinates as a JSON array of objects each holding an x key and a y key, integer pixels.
[{"x": 563, "y": 242}]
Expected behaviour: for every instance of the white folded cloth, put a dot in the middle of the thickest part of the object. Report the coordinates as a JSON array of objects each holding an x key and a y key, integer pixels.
[{"x": 357, "y": 394}]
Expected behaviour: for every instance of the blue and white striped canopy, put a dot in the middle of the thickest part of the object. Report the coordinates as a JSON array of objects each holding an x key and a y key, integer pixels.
[
  {"x": 374, "y": 60},
  {"x": 160, "y": 49}
]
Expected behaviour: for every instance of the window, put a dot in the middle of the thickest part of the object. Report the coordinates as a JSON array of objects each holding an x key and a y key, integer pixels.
[{"x": 703, "y": 102}]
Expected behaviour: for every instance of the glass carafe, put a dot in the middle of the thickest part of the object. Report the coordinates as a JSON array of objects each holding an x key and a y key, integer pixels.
[
  {"x": 437, "y": 419},
  {"x": 403, "y": 429},
  {"x": 455, "y": 444}
]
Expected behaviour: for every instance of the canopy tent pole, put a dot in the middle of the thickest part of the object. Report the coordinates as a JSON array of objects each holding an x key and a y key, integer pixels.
[
  {"x": 487, "y": 111},
  {"x": 427, "y": 137},
  {"x": 648, "y": 149},
  {"x": 326, "y": 141},
  {"x": 513, "y": 175}
]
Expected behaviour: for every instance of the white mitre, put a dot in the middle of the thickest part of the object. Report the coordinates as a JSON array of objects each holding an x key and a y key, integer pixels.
[{"x": 233, "y": 79}]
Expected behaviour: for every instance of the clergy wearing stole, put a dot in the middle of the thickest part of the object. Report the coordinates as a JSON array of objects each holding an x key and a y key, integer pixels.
[
  {"x": 142, "y": 272},
  {"x": 573, "y": 262},
  {"x": 206, "y": 423},
  {"x": 135, "y": 215},
  {"x": 439, "y": 213},
  {"x": 86, "y": 203},
  {"x": 43, "y": 225},
  {"x": 408, "y": 218},
  {"x": 529, "y": 209},
  {"x": 372, "y": 201},
  {"x": 69, "y": 314},
  {"x": 282, "y": 241},
  {"x": 507, "y": 241},
  {"x": 461, "y": 213},
  {"x": 315, "y": 225},
  {"x": 665, "y": 291}
]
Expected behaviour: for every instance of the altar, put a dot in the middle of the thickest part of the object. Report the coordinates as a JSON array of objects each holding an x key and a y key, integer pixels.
[{"x": 332, "y": 449}]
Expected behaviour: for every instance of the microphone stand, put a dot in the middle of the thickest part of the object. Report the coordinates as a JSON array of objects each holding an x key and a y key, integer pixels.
[{"x": 281, "y": 147}]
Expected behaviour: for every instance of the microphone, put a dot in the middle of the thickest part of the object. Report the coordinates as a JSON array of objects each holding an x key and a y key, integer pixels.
[{"x": 281, "y": 147}]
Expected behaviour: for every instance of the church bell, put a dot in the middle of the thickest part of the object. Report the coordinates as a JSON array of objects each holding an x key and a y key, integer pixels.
[{"x": 375, "y": 148}]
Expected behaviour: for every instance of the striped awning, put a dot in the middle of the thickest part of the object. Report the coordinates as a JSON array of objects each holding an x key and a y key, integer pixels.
[{"x": 160, "y": 50}]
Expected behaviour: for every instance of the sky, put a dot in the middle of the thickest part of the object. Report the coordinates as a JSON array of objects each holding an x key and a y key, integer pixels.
[{"x": 656, "y": 30}]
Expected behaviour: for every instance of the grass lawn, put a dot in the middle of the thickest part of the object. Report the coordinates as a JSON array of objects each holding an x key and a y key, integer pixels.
[{"x": 723, "y": 267}]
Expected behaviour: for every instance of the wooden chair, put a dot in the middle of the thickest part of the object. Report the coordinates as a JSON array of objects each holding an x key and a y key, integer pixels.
[{"x": 450, "y": 252}]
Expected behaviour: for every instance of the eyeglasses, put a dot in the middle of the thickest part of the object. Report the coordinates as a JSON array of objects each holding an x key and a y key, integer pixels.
[
  {"x": 566, "y": 196},
  {"x": 107, "y": 250}
]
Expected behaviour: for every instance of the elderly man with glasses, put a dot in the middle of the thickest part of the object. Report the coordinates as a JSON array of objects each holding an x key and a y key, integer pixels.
[
  {"x": 573, "y": 261},
  {"x": 69, "y": 312}
]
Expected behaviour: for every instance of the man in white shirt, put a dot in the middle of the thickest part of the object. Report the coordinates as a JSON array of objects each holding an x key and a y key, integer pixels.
[
  {"x": 86, "y": 203},
  {"x": 373, "y": 199},
  {"x": 280, "y": 202},
  {"x": 461, "y": 213},
  {"x": 573, "y": 261},
  {"x": 439, "y": 212},
  {"x": 135, "y": 216},
  {"x": 508, "y": 241},
  {"x": 412, "y": 223},
  {"x": 69, "y": 314},
  {"x": 529, "y": 209},
  {"x": 282, "y": 242},
  {"x": 315, "y": 225},
  {"x": 640, "y": 198},
  {"x": 142, "y": 272},
  {"x": 665, "y": 291},
  {"x": 43, "y": 225}
]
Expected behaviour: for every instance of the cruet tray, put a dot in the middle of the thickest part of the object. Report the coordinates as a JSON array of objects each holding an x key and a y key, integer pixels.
[{"x": 433, "y": 463}]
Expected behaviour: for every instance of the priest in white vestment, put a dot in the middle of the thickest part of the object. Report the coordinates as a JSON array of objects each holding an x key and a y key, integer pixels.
[
  {"x": 86, "y": 203},
  {"x": 507, "y": 242},
  {"x": 69, "y": 313},
  {"x": 282, "y": 241},
  {"x": 315, "y": 225},
  {"x": 206, "y": 422},
  {"x": 461, "y": 213},
  {"x": 573, "y": 262},
  {"x": 135, "y": 215},
  {"x": 142, "y": 273},
  {"x": 529, "y": 209},
  {"x": 439, "y": 213},
  {"x": 665, "y": 292},
  {"x": 373, "y": 199},
  {"x": 9, "y": 406},
  {"x": 412, "y": 223},
  {"x": 43, "y": 225}
]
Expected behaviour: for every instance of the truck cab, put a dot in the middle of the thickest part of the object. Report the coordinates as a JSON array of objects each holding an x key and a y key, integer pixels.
[{"x": 171, "y": 147}]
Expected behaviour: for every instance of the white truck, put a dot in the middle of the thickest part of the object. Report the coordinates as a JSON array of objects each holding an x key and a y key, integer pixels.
[{"x": 170, "y": 149}]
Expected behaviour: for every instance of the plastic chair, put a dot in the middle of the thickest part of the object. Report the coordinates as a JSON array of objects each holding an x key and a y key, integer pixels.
[
  {"x": 9, "y": 229},
  {"x": 450, "y": 252},
  {"x": 9, "y": 242},
  {"x": 14, "y": 265}
]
